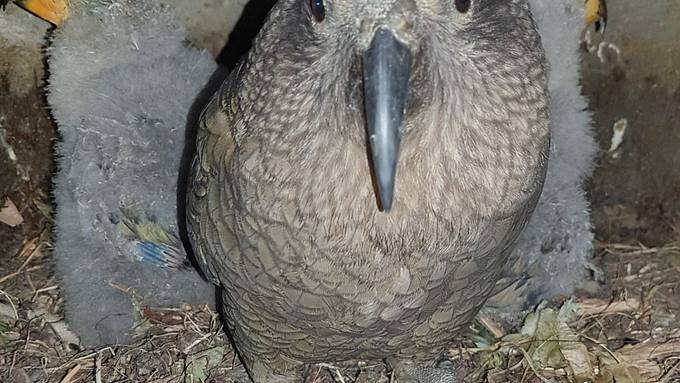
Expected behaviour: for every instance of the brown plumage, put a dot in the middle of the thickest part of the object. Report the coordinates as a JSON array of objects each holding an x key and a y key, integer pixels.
[{"x": 283, "y": 210}]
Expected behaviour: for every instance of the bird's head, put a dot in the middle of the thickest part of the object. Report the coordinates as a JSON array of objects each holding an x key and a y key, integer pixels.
[{"x": 389, "y": 61}]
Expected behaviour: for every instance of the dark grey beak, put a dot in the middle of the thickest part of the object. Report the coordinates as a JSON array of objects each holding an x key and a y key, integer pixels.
[{"x": 387, "y": 68}]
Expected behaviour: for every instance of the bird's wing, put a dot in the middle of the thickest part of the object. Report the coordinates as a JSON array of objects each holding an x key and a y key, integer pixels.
[{"x": 207, "y": 206}]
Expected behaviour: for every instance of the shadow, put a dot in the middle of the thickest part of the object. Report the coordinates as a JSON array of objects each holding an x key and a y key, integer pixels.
[
  {"x": 247, "y": 27},
  {"x": 237, "y": 369},
  {"x": 201, "y": 100}
]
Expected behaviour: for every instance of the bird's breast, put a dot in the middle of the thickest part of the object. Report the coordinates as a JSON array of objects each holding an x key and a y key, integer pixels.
[{"x": 315, "y": 257}]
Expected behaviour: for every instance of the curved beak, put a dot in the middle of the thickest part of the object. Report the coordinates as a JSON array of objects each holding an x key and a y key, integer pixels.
[
  {"x": 596, "y": 13},
  {"x": 54, "y": 11},
  {"x": 387, "y": 68}
]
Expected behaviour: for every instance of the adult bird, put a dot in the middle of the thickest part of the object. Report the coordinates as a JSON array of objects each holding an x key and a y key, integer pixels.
[{"x": 362, "y": 176}]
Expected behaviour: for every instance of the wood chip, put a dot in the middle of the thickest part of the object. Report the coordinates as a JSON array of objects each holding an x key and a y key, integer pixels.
[
  {"x": 492, "y": 326},
  {"x": 64, "y": 333},
  {"x": 68, "y": 378},
  {"x": 645, "y": 356},
  {"x": 600, "y": 306}
]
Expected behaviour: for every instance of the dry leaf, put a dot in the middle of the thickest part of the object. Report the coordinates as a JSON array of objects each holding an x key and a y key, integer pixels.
[
  {"x": 64, "y": 333},
  {"x": 199, "y": 365},
  {"x": 576, "y": 354},
  {"x": 10, "y": 215},
  {"x": 619, "y": 373}
]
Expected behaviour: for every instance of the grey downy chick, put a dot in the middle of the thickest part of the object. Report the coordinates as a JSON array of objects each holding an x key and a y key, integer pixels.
[
  {"x": 362, "y": 176},
  {"x": 121, "y": 85},
  {"x": 553, "y": 254}
]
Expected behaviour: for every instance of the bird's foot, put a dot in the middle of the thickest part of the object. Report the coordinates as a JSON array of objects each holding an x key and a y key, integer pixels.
[{"x": 406, "y": 371}]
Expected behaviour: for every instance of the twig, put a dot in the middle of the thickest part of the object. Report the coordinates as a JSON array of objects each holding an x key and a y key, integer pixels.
[
  {"x": 11, "y": 303},
  {"x": 610, "y": 352},
  {"x": 589, "y": 307},
  {"x": 98, "y": 368},
  {"x": 196, "y": 342},
  {"x": 193, "y": 324},
  {"x": 23, "y": 265},
  {"x": 492, "y": 326},
  {"x": 42, "y": 290},
  {"x": 28, "y": 334},
  {"x": 81, "y": 358},
  {"x": 524, "y": 373},
  {"x": 531, "y": 365},
  {"x": 637, "y": 250},
  {"x": 14, "y": 361},
  {"x": 29, "y": 280},
  {"x": 669, "y": 375},
  {"x": 70, "y": 374},
  {"x": 334, "y": 369}
]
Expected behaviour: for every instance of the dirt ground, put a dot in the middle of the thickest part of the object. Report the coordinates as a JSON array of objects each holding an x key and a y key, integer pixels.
[
  {"x": 634, "y": 193},
  {"x": 629, "y": 329}
]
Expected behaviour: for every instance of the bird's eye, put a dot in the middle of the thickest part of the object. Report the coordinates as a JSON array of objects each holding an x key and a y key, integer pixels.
[
  {"x": 462, "y": 6},
  {"x": 318, "y": 9}
]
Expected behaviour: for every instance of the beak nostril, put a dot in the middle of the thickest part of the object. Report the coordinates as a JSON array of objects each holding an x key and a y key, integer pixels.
[{"x": 400, "y": 19}]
